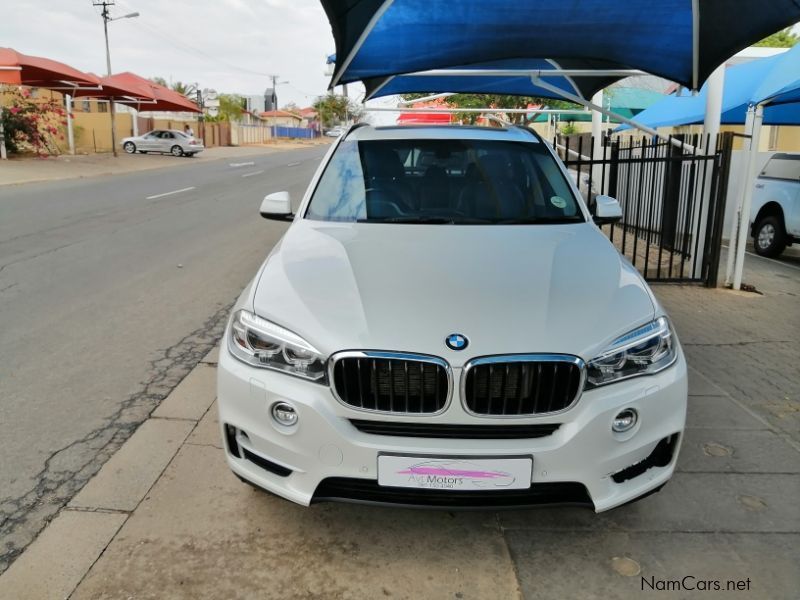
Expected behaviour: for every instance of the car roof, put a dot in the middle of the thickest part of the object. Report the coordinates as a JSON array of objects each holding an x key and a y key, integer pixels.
[{"x": 442, "y": 132}]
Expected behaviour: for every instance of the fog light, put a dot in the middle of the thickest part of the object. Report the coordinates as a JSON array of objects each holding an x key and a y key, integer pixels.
[
  {"x": 284, "y": 414},
  {"x": 625, "y": 421}
]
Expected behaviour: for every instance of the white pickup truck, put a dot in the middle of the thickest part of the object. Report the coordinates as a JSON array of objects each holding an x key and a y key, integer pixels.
[{"x": 775, "y": 214}]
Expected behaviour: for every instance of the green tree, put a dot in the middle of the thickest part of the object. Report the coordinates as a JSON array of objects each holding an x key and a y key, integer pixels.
[
  {"x": 333, "y": 109},
  {"x": 180, "y": 87},
  {"x": 785, "y": 38},
  {"x": 231, "y": 107},
  {"x": 569, "y": 128}
]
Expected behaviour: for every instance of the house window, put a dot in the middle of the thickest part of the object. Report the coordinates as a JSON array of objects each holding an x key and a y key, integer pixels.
[
  {"x": 102, "y": 107},
  {"x": 86, "y": 106},
  {"x": 774, "y": 132}
]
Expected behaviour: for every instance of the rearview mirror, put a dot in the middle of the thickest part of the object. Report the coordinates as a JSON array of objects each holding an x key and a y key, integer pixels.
[
  {"x": 606, "y": 210},
  {"x": 277, "y": 206}
]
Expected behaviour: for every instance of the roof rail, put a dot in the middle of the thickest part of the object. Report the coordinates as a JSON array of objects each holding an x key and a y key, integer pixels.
[
  {"x": 353, "y": 127},
  {"x": 532, "y": 131}
]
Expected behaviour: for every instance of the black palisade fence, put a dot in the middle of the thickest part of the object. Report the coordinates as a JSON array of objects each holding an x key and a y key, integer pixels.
[{"x": 672, "y": 193}]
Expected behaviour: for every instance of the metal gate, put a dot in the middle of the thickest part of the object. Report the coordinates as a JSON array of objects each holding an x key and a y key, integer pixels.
[{"x": 672, "y": 197}]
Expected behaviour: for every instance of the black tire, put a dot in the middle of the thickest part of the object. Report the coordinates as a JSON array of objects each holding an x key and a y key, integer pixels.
[
  {"x": 176, "y": 150},
  {"x": 769, "y": 236},
  {"x": 129, "y": 147}
]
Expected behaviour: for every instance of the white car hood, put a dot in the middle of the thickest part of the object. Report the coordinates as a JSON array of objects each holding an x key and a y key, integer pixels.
[{"x": 508, "y": 289}]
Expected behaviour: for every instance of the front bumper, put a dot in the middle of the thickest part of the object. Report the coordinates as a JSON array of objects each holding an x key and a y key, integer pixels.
[{"x": 326, "y": 448}]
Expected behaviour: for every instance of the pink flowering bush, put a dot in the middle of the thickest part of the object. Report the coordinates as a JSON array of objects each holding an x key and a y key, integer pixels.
[{"x": 31, "y": 125}]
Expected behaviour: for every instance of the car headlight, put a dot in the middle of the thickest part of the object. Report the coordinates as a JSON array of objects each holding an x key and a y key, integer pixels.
[
  {"x": 643, "y": 351},
  {"x": 263, "y": 344}
]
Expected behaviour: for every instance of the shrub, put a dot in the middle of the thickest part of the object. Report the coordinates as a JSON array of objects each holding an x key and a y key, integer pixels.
[{"x": 31, "y": 125}]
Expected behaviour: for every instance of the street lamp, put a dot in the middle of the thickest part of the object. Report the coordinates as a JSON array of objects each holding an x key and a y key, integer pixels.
[{"x": 107, "y": 18}]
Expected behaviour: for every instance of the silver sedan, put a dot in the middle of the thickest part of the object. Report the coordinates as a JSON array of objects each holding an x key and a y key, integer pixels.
[{"x": 166, "y": 141}]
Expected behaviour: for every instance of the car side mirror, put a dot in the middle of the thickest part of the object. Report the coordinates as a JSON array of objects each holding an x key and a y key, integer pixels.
[
  {"x": 606, "y": 210},
  {"x": 277, "y": 206}
]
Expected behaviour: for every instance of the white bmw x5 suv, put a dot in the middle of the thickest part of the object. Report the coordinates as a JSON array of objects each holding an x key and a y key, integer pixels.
[{"x": 444, "y": 324}]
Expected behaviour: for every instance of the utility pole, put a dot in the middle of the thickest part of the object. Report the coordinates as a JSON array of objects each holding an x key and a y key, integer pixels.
[
  {"x": 275, "y": 90},
  {"x": 106, "y": 15}
]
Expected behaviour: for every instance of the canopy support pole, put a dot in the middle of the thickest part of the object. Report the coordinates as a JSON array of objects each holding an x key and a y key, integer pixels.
[
  {"x": 70, "y": 132},
  {"x": 3, "y": 153},
  {"x": 592, "y": 106},
  {"x": 135, "y": 119},
  {"x": 747, "y": 194},
  {"x": 597, "y": 137},
  {"x": 733, "y": 237},
  {"x": 716, "y": 85}
]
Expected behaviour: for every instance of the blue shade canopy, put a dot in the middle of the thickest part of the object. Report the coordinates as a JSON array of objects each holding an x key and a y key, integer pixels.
[
  {"x": 681, "y": 40},
  {"x": 774, "y": 80},
  {"x": 514, "y": 85}
]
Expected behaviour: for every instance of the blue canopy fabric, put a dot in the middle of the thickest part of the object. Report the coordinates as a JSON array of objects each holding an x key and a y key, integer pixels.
[
  {"x": 479, "y": 84},
  {"x": 775, "y": 80},
  {"x": 681, "y": 40}
]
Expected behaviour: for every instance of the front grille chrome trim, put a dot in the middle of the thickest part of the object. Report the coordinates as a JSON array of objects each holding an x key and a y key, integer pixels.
[
  {"x": 521, "y": 358},
  {"x": 407, "y": 356}
]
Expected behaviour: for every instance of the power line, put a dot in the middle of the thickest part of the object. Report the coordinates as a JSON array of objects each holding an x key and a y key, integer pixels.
[{"x": 169, "y": 38}]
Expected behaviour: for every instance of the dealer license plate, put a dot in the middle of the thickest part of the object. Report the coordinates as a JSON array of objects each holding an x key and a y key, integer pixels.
[{"x": 455, "y": 473}]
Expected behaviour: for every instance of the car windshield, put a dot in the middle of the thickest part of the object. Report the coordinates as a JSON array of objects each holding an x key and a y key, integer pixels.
[{"x": 451, "y": 181}]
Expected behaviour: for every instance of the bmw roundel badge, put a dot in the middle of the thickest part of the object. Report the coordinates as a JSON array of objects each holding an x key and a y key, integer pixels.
[{"x": 456, "y": 341}]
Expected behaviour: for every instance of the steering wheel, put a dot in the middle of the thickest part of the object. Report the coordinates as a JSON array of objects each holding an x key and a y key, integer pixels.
[{"x": 383, "y": 203}]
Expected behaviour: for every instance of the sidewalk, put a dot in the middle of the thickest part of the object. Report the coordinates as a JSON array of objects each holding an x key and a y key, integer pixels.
[
  {"x": 28, "y": 170},
  {"x": 165, "y": 518}
]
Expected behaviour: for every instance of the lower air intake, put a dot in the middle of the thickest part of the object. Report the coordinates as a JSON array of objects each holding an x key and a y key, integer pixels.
[{"x": 367, "y": 491}]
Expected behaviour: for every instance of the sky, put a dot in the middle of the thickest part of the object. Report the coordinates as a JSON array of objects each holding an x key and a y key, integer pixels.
[{"x": 231, "y": 46}]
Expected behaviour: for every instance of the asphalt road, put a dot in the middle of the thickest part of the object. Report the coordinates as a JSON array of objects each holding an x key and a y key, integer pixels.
[{"x": 111, "y": 290}]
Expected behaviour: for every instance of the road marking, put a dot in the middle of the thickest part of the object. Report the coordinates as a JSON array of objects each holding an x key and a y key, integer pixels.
[
  {"x": 253, "y": 173},
  {"x": 294, "y": 164},
  {"x": 244, "y": 164},
  {"x": 754, "y": 255},
  {"x": 169, "y": 193}
]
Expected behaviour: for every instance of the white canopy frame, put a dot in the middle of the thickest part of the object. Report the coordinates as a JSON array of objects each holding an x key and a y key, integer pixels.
[
  {"x": 556, "y": 71},
  {"x": 453, "y": 111},
  {"x": 537, "y": 77},
  {"x": 741, "y": 221}
]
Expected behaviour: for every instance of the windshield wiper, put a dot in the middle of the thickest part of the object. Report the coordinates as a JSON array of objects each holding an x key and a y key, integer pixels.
[
  {"x": 540, "y": 221},
  {"x": 424, "y": 220},
  {"x": 420, "y": 219},
  {"x": 427, "y": 220}
]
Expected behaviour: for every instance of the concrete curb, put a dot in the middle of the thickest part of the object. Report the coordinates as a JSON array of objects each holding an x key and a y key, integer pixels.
[{"x": 57, "y": 561}]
